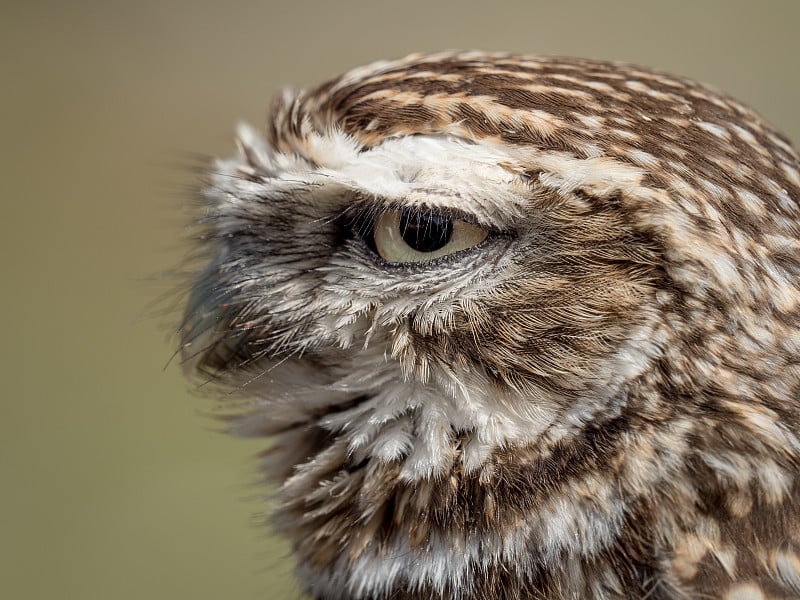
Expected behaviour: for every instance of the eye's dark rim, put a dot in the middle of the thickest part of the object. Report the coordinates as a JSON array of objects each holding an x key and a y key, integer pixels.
[{"x": 358, "y": 222}]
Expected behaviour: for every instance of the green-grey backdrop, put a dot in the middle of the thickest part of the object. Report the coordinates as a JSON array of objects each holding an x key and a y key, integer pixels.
[{"x": 114, "y": 485}]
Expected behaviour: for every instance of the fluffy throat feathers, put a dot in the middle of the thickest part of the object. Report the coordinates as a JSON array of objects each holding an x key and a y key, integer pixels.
[{"x": 402, "y": 361}]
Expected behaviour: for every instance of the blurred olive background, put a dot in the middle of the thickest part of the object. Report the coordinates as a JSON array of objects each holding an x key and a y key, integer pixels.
[{"x": 114, "y": 484}]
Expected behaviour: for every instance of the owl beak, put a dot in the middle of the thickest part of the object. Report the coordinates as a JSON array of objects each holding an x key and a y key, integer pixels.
[
  {"x": 198, "y": 331},
  {"x": 205, "y": 341}
]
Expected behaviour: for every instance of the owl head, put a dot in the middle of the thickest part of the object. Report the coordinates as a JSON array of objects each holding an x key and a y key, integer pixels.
[{"x": 500, "y": 313}]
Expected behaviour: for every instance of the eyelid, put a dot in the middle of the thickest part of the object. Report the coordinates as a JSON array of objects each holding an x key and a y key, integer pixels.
[
  {"x": 369, "y": 210},
  {"x": 427, "y": 236},
  {"x": 373, "y": 223}
]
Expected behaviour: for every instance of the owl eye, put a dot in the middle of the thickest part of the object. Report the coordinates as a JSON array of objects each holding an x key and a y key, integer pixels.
[{"x": 411, "y": 235}]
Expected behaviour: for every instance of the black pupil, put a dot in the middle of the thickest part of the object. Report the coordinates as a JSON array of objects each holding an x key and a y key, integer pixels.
[{"x": 425, "y": 231}]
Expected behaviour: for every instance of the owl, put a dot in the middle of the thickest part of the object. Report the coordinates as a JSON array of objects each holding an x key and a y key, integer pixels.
[{"x": 516, "y": 328}]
